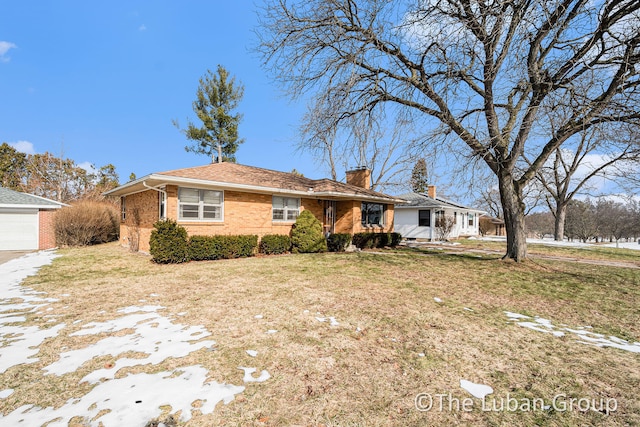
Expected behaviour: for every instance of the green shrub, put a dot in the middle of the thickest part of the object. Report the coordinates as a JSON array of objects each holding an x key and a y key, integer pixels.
[
  {"x": 306, "y": 234},
  {"x": 338, "y": 242},
  {"x": 168, "y": 243},
  {"x": 86, "y": 223},
  {"x": 221, "y": 247},
  {"x": 273, "y": 244},
  {"x": 396, "y": 238},
  {"x": 376, "y": 240}
]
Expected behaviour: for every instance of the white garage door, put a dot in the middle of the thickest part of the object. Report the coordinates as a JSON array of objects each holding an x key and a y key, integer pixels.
[{"x": 19, "y": 230}]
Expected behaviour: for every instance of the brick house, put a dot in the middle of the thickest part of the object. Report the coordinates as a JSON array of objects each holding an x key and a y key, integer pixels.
[
  {"x": 26, "y": 221},
  {"x": 228, "y": 198}
]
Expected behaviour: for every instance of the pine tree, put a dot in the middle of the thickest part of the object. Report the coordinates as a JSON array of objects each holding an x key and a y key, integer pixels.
[
  {"x": 419, "y": 177},
  {"x": 217, "y": 96}
]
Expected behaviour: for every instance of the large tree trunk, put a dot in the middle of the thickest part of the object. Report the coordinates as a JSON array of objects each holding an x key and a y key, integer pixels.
[
  {"x": 560, "y": 217},
  {"x": 513, "y": 208}
]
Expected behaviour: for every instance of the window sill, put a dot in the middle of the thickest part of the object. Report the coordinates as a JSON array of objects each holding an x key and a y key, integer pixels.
[{"x": 200, "y": 221}]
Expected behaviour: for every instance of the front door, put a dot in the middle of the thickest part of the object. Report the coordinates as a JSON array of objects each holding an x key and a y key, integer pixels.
[{"x": 329, "y": 217}]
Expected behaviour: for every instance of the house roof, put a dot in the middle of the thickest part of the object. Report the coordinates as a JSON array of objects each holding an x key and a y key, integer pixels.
[
  {"x": 419, "y": 200},
  {"x": 15, "y": 199},
  {"x": 238, "y": 177}
]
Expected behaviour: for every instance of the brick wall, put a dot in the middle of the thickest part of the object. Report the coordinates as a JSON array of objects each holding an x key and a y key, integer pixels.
[
  {"x": 244, "y": 213},
  {"x": 46, "y": 229}
]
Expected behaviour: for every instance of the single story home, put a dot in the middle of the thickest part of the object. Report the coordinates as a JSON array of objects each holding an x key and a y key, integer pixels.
[
  {"x": 422, "y": 215},
  {"x": 229, "y": 198},
  {"x": 26, "y": 221}
]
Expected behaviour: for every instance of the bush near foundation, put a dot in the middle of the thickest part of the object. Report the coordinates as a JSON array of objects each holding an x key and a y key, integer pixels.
[
  {"x": 338, "y": 242},
  {"x": 376, "y": 240},
  {"x": 87, "y": 223},
  {"x": 169, "y": 243},
  {"x": 306, "y": 234},
  {"x": 222, "y": 247},
  {"x": 275, "y": 244}
]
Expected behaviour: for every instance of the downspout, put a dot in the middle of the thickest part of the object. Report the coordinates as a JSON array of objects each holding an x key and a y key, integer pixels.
[{"x": 164, "y": 195}]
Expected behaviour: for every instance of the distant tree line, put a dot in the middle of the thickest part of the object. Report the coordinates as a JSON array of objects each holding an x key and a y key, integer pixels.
[
  {"x": 588, "y": 220},
  {"x": 53, "y": 177}
]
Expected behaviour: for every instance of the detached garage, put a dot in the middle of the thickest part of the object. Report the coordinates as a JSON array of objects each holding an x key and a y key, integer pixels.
[{"x": 26, "y": 221}]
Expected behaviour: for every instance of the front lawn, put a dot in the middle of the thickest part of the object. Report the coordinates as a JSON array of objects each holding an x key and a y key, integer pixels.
[{"x": 352, "y": 339}]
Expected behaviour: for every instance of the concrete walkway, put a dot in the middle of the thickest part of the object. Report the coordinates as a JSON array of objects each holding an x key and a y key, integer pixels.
[{"x": 9, "y": 255}]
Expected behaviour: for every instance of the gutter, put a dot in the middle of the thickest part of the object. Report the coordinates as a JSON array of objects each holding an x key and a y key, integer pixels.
[{"x": 159, "y": 190}]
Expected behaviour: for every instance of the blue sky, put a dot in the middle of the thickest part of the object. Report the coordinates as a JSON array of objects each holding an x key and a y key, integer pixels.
[{"x": 101, "y": 82}]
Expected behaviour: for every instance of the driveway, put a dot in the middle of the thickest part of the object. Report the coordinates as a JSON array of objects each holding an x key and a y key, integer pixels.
[{"x": 9, "y": 255}]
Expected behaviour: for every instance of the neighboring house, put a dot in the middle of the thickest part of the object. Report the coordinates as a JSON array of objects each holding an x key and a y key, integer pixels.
[
  {"x": 26, "y": 221},
  {"x": 417, "y": 218},
  {"x": 228, "y": 198},
  {"x": 490, "y": 226}
]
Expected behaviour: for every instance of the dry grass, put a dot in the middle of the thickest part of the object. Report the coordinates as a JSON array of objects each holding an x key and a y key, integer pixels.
[{"x": 367, "y": 371}]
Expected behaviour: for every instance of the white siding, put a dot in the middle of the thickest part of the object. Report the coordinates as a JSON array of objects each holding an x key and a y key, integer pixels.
[{"x": 406, "y": 223}]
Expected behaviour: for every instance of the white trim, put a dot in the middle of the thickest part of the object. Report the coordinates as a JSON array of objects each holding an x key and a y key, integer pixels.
[
  {"x": 200, "y": 220},
  {"x": 19, "y": 206}
]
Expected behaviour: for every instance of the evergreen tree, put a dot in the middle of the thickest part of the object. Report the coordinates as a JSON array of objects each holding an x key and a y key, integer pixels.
[
  {"x": 12, "y": 167},
  {"x": 217, "y": 96},
  {"x": 419, "y": 177}
]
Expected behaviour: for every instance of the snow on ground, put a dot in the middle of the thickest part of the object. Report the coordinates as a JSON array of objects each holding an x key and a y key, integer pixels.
[
  {"x": 132, "y": 400},
  {"x": 582, "y": 334},
  {"x": 476, "y": 390},
  {"x": 19, "y": 343},
  {"x": 153, "y": 335},
  {"x": 566, "y": 243},
  {"x": 332, "y": 320}
]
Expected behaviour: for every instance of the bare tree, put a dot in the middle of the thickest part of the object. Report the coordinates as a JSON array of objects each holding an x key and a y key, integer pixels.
[
  {"x": 444, "y": 225},
  {"x": 484, "y": 70},
  {"x": 582, "y": 221},
  {"x": 573, "y": 167},
  {"x": 363, "y": 142}
]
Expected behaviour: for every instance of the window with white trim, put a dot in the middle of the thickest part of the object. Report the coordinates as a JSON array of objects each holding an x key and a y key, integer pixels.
[
  {"x": 123, "y": 208},
  {"x": 285, "y": 208},
  {"x": 471, "y": 220},
  {"x": 200, "y": 205}
]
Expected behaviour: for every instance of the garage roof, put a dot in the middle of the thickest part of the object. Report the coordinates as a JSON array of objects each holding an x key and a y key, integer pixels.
[{"x": 15, "y": 199}]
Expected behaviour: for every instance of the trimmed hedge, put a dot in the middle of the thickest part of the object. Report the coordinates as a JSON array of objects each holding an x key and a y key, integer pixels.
[
  {"x": 306, "y": 234},
  {"x": 274, "y": 244},
  {"x": 222, "y": 247},
  {"x": 338, "y": 242},
  {"x": 376, "y": 240},
  {"x": 168, "y": 243}
]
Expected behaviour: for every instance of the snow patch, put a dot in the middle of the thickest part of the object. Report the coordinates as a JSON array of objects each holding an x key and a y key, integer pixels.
[
  {"x": 476, "y": 390},
  {"x": 249, "y": 378},
  {"x": 6, "y": 393},
  {"x": 19, "y": 344},
  {"x": 133, "y": 400},
  {"x": 332, "y": 320},
  {"x": 252, "y": 353},
  {"x": 438, "y": 300},
  {"x": 153, "y": 335},
  {"x": 582, "y": 335}
]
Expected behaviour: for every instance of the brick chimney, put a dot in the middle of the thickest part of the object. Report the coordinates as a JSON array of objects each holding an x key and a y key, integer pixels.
[
  {"x": 431, "y": 191},
  {"x": 360, "y": 177}
]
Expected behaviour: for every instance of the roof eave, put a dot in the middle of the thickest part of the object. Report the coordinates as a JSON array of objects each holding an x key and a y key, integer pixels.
[
  {"x": 25, "y": 206},
  {"x": 159, "y": 179}
]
